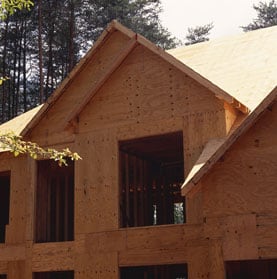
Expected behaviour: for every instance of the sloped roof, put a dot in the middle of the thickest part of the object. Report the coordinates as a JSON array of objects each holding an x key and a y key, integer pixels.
[
  {"x": 135, "y": 39},
  {"x": 216, "y": 148},
  {"x": 243, "y": 65},
  {"x": 18, "y": 124}
]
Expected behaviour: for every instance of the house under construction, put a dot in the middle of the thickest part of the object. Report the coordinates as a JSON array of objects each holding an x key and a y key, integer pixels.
[{"x": 179, "y": 172}]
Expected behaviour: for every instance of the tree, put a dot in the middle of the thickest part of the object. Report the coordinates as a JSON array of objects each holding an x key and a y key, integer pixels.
[
  {"x": 266, "y": 16},
  {"x": 198, "y": 34},
  {"x": 142, "y": 16},
  {"x": 10, "y": 141}
]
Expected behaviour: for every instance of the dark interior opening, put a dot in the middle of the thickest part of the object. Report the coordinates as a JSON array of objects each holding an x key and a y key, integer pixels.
[
  {"x": 3, "y": 276},
  {"x": 4, "y": 203},
  {"x": 251, "y": 269},
  {"x": 54, "y": 275},
  {"x": 151, "y": 174},
  {"x": 54, "y": 202},
  {"x": 173, "y": 271}
]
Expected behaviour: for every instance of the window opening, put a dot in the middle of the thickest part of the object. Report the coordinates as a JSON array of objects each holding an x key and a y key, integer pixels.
[
  {"x": 54, "y": 275},
  {"x": 174, "y": 271},
  {"x": 4, "y": 203},
  {"x": 54, "y": 202},
  {"x": 251, "y": 269},
  {"x": 151, "y": 175}
]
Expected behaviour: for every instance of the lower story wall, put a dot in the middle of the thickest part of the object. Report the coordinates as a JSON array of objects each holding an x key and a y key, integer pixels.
[{"x": 204, "y": 248}]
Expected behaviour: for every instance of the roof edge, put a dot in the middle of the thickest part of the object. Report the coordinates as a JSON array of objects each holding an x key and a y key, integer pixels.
[
  {"x": 112, "y": 26},
  {"x": 219, "y": 93},
  {"x": 116, "y": 26},
  {"x": 192, "y": 180}
]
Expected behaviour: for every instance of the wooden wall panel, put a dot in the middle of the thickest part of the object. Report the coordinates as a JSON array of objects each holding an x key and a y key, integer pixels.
[
  {"x": 199, "y": 263},
  {"x": 194, "y": 209},
  {"x": 53, "y": 256},
  {"x": 104, "y": 242},
  {"x": 97, "y": 266},
  {"x": 244, "y": 181},
  {"x": 12, "y": 252},
  {"x": 266, "y": 235},
  {"x": 20, "y": 177},
  {"x": 16, "y": 269},
  {"x": 146, "y": 87},
  {"x": 154, "y": 256},
  {"x": 96, "y": 183},
  {"x": 164, "y": 237},
  {"x": 161, "y": 245},
  {"x": 30, "y": 198},
  {"x": 199, "y": 128},
  {"x": 231, "y": 115},
  {"x": 238, "y": 234},
  {"x": 216, "y": 259},
  {"x": 50, "y": 129},
  {"x": 151, "y": 128},
  {"x": 3, "y": 267}
]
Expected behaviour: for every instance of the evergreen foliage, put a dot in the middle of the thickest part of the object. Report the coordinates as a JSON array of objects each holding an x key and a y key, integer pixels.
[
  {"x": 198, "y": 34},
  {"x": 12, "y": 142},
  {"x": 40, "y": 46},
  {"x": 266, "y": 16}
]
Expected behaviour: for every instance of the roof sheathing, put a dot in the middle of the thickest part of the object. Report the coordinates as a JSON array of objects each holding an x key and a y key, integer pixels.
[
  {"x": 219, "y": 146},
  {"x": 244, "y": 65}
]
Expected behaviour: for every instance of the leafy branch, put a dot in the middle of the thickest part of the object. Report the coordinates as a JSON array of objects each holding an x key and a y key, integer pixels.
[
  {"x": 17, "y": 146},
  {"x": 9, "y": 7}
]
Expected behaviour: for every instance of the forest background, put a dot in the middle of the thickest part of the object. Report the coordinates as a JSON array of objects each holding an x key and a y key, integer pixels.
[{"x": 41, "y": 45}]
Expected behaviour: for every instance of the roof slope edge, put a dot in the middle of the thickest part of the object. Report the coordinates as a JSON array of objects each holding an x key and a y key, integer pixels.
[
  {"x": 115, "y": 26},
  {"x": 202, "y": 167}
]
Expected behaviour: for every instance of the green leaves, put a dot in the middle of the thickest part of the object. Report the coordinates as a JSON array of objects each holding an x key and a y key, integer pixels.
[
  {"x": 17, "y": 146},
  {"x": 9, "y": 7}
]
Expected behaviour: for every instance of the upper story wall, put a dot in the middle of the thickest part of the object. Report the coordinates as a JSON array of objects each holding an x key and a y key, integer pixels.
[
  {"x": 144, "y": 90},
  {"x": 144, "y": 96},
  {"x": 244, "y": 181}
]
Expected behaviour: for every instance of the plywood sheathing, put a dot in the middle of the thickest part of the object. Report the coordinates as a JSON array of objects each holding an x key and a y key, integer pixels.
[
  {"x": 73, "y": 82},
  {"x": 243, "y": 65},
  {"x": 18, "y": 124},
  {"x": 3, "y": 267},
  {"x": 266, "y": 234},
  {"x": 216, "y": 148},
  {"x": 67, "y": 81},
  {"x": 139, "y": 40},
  {"x": 241, "y": 190}
]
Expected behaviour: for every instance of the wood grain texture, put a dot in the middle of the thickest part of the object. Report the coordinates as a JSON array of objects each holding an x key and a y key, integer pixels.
[
  {"x": 245, "y": 180},
  {"x": 53, "y": 256}
]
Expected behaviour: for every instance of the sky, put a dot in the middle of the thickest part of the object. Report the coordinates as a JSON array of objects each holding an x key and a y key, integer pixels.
[{"x": 226, "y": 15}]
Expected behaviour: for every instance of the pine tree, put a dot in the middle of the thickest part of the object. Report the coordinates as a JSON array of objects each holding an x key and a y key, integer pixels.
[
  {"x": 40, "y": 46},
  {"x": 266, "y": 16},
  {"x": 198, "y": 34},
  {"x": 142, "y": 16}
]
